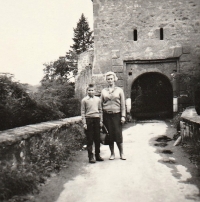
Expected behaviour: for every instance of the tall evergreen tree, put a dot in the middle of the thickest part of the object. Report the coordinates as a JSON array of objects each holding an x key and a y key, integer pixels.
[
  {"x": 83, "y": 38},
  {"x": 64, "y": 68}
]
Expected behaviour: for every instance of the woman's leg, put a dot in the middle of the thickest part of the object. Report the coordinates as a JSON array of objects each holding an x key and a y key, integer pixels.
[
  {"x": 107, "y": 119},
  {"x": 121, "y": 151},
  {"x": 112, "y": 156}
]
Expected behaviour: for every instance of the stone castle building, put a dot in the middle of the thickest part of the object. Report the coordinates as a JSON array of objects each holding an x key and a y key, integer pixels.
[{"x": 147, "y": 44}]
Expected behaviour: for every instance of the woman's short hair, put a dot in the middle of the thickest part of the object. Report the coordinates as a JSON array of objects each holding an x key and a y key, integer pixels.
[{"x": 111, "y": 73}]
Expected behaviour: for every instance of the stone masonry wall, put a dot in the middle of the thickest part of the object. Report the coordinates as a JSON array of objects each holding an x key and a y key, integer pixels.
[
  {"x": 30, "y": 154},
  {"x": 116, "y": 20},
  {"x": 190, "y": 126},
  {"x": 25, "y": 145},
  {"x": 85, "y": 75},
  {"x": 83, "y": 78}
]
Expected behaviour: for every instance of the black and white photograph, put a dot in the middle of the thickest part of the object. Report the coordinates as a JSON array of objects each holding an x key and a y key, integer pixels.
[{"x": 100, "y": 101}]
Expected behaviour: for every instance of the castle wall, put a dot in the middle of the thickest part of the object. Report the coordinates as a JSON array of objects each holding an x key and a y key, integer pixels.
[
  {"x": 116, "y": 46},
  {"x": 84, "y": 75}
]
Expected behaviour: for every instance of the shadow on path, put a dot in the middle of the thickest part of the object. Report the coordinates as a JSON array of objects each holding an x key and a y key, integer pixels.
[
  {"x": 177, "y": 160},
  {"x": 55, "y": 185}
]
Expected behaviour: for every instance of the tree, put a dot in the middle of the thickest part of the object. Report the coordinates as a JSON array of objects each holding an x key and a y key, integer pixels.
[
  {"x": 59, "y": 96},
  {"x": 60, "y": 70},
  {"x": 83, "y": 38},
  {"x": 18, "y": 108},
  {"x": 72, "y": 61},
  {"x": 56, "y": 83},
  {"x": 65, "y": 68}
]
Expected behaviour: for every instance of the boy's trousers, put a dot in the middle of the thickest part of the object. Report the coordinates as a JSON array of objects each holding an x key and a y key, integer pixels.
[{"x": 93, "y": 135}]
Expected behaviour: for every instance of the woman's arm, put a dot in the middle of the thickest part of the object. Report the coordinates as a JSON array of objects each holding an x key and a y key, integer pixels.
[
  {"x": 122, "y": 102},
  {"x": 101, "y": 99}
]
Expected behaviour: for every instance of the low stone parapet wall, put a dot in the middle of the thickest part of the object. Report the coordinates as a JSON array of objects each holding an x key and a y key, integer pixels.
[
  {"x": 16, "y": 144},
  {"x": 190, "y": 125},
  {"x": 29, "y": 154}
]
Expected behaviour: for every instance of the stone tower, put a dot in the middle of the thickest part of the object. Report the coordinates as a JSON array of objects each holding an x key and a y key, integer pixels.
[{"x": 141, "y": 40}]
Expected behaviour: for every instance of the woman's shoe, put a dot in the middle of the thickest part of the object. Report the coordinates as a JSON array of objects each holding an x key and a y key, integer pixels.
[
  {"x": 122, "y": 157},
  {"x": 112, "y": 157}
]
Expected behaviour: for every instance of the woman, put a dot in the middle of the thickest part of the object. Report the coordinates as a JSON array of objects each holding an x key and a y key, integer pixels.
[{"x": 113, "y": 104}]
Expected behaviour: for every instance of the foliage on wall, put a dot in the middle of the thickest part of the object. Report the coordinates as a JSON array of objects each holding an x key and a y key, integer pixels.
[
  {"x": 40, "y": 155},
  {"x": 190, "y": 81}
]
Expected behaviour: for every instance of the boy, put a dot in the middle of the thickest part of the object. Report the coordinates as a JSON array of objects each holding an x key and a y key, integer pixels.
[{"x": 91, "y": 112}]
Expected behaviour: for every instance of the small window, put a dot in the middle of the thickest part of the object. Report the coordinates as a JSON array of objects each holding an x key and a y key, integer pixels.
[
  {"x": 161, "y": 34},
  {"x": 135, "y": 35},
  {"x": 130, "y": 73}
]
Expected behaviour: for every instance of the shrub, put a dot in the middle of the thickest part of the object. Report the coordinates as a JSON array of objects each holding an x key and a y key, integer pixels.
[
  {"x": 46, "y": 154},
  {"x": 176, "y": 121},
  {"x": 17, "y": 108},
  {"x": 59, "y": 96},
  {"x": 18, "y": 181}
]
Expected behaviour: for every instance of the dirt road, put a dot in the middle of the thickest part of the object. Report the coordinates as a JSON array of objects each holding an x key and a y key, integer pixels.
[{"x": 154, "y": 171}]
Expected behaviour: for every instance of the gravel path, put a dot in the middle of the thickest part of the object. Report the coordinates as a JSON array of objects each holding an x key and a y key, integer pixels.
[{"x": 154, "y": 171}]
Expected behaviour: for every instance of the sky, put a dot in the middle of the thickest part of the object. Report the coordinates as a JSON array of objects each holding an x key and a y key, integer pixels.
[{"x": 35, "y": 32}]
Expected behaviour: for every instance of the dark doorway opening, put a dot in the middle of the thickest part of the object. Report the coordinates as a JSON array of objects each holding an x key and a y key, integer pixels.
[{"x": 152, "y": 97}]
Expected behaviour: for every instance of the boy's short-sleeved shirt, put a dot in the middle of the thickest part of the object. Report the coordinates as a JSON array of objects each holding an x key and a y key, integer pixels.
[{"x": 91, "y": 108}]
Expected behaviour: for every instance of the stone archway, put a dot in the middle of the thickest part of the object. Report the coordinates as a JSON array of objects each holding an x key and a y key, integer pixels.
[{"x": 152, "y": 96}]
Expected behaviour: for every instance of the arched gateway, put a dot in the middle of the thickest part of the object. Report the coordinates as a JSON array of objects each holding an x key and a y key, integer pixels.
[
  {"x": 152, "y": 96},
  {"x": 151, "y": 88},
  {"x": 142, "y": 42}
]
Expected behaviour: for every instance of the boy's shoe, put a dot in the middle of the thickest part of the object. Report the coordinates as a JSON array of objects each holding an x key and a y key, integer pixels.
[
  {"x": 99, "y": 158},
  {"x": 91, "y": 160}
]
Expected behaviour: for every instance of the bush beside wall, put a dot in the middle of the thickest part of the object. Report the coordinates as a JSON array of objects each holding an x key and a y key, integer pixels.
[{"x": 29, "y": 154}]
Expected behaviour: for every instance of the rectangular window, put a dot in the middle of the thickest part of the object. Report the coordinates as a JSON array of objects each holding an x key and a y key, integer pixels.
[
  {"x": 161, "y": 34},
  {"x": 135, "y": 35}
]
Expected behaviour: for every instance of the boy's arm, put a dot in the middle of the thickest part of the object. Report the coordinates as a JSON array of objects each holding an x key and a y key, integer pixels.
[{"x": 83, "y": 112}]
